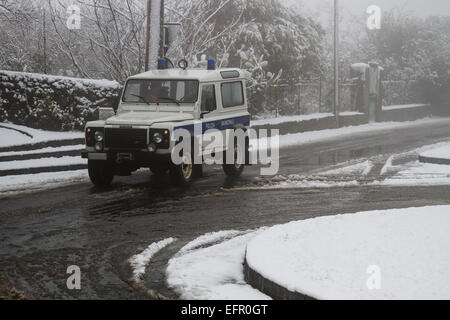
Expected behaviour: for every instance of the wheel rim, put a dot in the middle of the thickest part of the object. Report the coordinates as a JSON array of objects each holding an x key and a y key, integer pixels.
[{"x": 186, "y": 167}]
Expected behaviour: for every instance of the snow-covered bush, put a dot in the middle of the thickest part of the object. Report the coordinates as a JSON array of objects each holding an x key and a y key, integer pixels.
[{"x": 53, "y": 102}]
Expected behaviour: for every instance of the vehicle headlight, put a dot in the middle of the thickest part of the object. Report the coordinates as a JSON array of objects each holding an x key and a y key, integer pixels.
[
  {"x": 158, "y": 137},
  {"x": 99, "y": 136}
]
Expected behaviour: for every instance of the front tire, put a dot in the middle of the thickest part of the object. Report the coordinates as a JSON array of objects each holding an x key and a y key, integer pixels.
[
  {"x": 184, "y": 173},
  {"x": 101, "y": 173},
  {"x": 159, "y": 170}
]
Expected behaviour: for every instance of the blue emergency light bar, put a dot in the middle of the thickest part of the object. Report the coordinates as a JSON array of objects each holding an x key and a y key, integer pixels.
[
  {"x": 211, "y": 64},
  {"x": 161, "y": 64}
]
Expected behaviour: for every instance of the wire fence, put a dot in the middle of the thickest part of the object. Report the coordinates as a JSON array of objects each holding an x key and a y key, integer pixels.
[{"x": 310, "y": 96}]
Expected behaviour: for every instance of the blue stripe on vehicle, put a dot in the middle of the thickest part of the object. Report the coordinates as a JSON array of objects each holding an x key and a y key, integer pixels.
[{"x": 222, "y": 124}]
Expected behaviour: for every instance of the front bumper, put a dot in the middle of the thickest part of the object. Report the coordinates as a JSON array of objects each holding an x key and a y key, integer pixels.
[{"x": 140, "y": 157}]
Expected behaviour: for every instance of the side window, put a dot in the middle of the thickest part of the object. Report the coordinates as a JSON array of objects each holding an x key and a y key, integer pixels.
[
  {"x": 208, "y": 98},
  {"x": 232, "y": 94}
]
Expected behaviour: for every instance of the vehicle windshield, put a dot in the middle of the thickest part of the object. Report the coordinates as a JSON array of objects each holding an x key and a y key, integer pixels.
[{"x": 161, "y": 91}]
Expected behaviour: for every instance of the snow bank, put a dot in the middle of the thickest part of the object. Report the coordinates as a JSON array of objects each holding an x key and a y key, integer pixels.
[
  {"x": 42, "y": 162},
  {"x": 391, "y": 254},
  {"x": 214, "y": 272},
  {"x": 284, "y": 119},
  {"x": 11, "y": 135},
  {"x": 329, "y": 134},
  {"x": 30, "y": 182},
  {"x": 140, "y": 261},
  {"x": 442, "y": 152},
  {"x": 418, "y": 174},
  {"x": 43, "y": 151},
  {"x": 404, "y": 106}
]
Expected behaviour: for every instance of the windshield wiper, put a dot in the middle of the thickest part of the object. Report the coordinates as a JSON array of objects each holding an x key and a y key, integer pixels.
[
  {"x": 170, "y": 99},
  {"x": 140, "y": 97}
]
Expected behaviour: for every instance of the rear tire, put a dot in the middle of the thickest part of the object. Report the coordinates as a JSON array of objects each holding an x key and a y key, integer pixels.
[
  {"x": 101, "y": 173},
  {"x": 235, "y": 169}
]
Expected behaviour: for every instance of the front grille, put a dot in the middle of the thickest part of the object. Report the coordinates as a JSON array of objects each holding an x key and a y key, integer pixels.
[{"x": 116, "y": 138}]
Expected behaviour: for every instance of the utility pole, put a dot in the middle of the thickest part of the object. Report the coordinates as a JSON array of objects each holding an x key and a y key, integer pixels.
[
  {"x": 44, "y": 35},
  {"x": 336, "y": 62},
  {"x": 154, "y": 33}
]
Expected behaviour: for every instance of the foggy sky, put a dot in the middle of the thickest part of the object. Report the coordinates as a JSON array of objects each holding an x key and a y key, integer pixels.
[{"x": 420, "y": 8}]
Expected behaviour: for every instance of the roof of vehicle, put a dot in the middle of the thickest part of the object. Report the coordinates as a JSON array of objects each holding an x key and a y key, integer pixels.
[{"x": 201, "y": 75}]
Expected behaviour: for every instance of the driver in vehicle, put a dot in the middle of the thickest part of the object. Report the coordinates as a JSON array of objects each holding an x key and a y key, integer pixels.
[{"x": 155, "y": 91}]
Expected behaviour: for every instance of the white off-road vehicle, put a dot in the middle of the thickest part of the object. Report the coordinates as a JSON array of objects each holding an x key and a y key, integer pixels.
[{"x": 153, "y": 106}]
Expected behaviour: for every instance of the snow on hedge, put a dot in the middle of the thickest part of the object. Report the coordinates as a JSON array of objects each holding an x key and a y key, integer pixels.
[{"x": 53, "y": 102}]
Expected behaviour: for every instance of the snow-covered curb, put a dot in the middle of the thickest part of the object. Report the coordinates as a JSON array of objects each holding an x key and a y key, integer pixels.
[
  {"x": 211, "y": 268},
  {"x": 439, "y": 155},
  {"x": 140, "y": 261}
]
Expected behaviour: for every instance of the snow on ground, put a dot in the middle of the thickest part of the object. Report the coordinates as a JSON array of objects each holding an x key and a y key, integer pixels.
[
  {"x": 11, "y": 137},
  {"x": 418, "y": 174},
  {"x": 328, "y": 134},
  {"x": 42, "y": 162},
  {"x": 30, "y": 182},
  {"x": 442, "y": 152},
  {"x": 140, "y": 261},
  {"x": 209, "y": 238},
  {"x": 43, "y": 150},
  {"x": 284, "y": 119},
  {"x": 362, "y": 168},
  {"x": 214, "y": 272},
  {"x": 404, "y": 106},
  {"x": 299, "y": 118},
  {"x": 331, "y": 257}
]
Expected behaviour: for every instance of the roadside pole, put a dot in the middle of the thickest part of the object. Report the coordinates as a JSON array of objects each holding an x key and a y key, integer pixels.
[
  {"x": 336, "y": 62},
  {"x": 154, "y": 33}
]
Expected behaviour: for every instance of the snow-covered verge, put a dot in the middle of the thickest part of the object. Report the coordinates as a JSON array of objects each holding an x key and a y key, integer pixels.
[
  {"x": 42, "y": 162},
  {"x": 38, "y": 181},
  {"x": 299, "y": 118},
  {"x": 53, "y": 102},
  {"x": 442, "y": 152},
  {"x": 417, "y": 174},
  {"x": 295, "y": 118},
  {"x": 390, "y": 254},
  {"x": 404, "y": 106},
  {"x": 15, "y": 135},
  {"x": 323, "y": 135},
  {"x": 208, "y": 270}
]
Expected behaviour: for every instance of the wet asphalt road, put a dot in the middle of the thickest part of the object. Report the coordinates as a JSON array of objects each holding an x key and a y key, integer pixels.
[{"x": 43, "y": 233}]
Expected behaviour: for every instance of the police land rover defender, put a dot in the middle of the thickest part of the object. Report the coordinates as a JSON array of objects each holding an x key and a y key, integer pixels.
[{"x": 153, "y": 106}]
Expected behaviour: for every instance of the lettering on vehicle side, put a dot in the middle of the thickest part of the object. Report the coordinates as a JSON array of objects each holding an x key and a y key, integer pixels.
[{"x": 223, "y": 124}]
